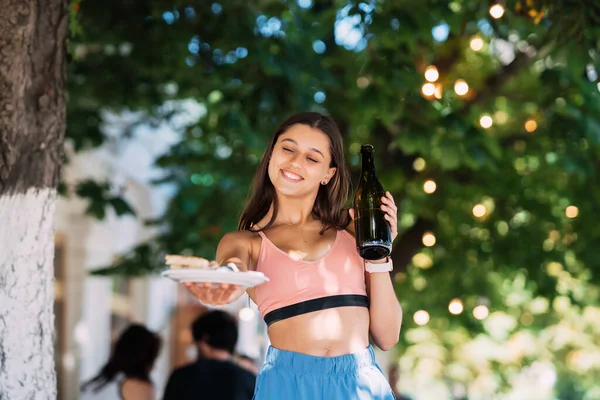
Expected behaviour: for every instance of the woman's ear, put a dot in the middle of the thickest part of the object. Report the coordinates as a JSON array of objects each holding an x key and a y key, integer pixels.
[{"x": 331, "y": 173}]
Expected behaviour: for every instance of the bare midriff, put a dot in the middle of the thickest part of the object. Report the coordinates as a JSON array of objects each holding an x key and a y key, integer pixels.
[{"x": 325, "y": 333}]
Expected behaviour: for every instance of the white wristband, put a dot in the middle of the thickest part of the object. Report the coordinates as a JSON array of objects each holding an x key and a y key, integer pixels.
[{"x": 379, "y": 267}]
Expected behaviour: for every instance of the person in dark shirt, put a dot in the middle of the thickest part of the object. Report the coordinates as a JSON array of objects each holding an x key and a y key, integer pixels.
[
  {"x": 214, "y": 375},
  {"x": 247, "y": 363}
]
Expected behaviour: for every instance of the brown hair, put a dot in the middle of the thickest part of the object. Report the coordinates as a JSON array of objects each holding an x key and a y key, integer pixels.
[{"x": 329, "y": 204}]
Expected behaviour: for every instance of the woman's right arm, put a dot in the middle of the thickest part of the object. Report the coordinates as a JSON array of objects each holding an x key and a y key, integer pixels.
[{"x": 234, "y": 247}]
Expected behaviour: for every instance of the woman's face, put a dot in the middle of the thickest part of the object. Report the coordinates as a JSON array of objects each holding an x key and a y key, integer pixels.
[{"x": 300, "y": 161}]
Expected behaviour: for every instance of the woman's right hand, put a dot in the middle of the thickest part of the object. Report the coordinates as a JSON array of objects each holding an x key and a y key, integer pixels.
[{"x": 214, "y": 294}]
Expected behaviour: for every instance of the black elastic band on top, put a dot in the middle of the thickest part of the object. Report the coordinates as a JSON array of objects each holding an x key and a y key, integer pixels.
[{"x": 321, "y": 303}]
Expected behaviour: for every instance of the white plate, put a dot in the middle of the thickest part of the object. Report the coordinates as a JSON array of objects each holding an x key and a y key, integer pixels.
[{"x": 242, "y": 278}]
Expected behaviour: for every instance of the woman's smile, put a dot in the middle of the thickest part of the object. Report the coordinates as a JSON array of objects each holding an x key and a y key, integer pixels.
[{"x": 291, "y": 176}]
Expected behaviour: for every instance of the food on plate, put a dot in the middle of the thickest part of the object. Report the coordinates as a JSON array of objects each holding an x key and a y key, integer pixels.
[
  {"x": 182, "y": 262},
  {"x": 190, "y": 262}
]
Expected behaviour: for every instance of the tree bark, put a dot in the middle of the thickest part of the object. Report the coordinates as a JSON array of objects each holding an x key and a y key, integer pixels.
[{"x": 32, "y": 124}]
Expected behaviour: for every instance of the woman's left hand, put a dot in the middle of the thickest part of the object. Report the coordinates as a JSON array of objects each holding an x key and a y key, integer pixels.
[{"x": 391, "y": 213}]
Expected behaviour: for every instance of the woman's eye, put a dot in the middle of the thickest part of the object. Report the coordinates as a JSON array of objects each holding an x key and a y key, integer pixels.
[
  {"x": 287, "y": 150},
  {"x": 312, "y": 160}
]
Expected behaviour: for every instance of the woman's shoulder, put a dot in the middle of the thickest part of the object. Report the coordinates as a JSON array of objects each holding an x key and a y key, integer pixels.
[
  {"x": 245, "y": 236},
  {"x": 137, "y": 389},
  {"x": 237, "y": 244}
]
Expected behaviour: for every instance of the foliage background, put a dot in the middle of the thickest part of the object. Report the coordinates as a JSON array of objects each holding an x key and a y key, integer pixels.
[{"x": 241, "y": 67}]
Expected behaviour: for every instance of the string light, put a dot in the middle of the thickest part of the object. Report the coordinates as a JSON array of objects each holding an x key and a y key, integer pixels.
[
  {"x": 431, "y": 73},
  {"x": 428, "y": 239},
  {"x": 485, "y": 121},
  {"x": 497, "y": 11},
  {"x": 428, "y": 89},
  {"x": 429, "y": 186},
  {"x": 438, "y": 90},
  {"x": 455, "y": 307},
  {"x": 481, "y": 312},
  {"x": 476, "y": 43},
  {"x": 461, "y": 87},
  {"x": 479, "y": 210},
  {"x": 572, "y": 212},
  {"x": 530, "y": 125},
  {"x": 421, "y": 317}
]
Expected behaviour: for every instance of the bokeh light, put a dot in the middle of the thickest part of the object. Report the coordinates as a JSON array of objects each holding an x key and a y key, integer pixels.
[
  {"x": 421, "y": 317},
  {"x": 485, "y": 121},
  {"x": 419, "y": 164},
  {"x": 572, "y": 212},
  {"x": 422, "y": 261},
  {"x": 461, "y": 87},
  {"x": 429, "y": 186},
  {"x": 428, "y": 89},
  {"x": 530, "y": 125},
  {"x": 496, "y": 11},
  {"x": 455, "y": 307},
  {"x": 438, "y": 90},
  {"x": 476, "y": 43},
  {"x": 481, "y": 312},
  {"x": 428, "y": 239},
  {"x": 479, "y": 210},
  {"x": 431, "y": 73},
  {"x": 362, "y": 82}
]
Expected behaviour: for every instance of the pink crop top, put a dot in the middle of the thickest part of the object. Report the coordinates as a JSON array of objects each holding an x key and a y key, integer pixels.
[{"x": 297, "y": 286}]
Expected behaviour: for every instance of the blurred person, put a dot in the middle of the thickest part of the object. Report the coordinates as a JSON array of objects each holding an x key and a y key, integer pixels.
[
  {"x": 247, "y": 362},
  {"x": 323, "y": 301},
  {"x": 214, "y": 375},
  {"x": 126, "y": 375}
]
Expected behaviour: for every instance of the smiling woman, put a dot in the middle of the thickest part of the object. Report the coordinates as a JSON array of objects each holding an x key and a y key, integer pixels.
[
  {"x": 319, "y": 304},
  {"x": 306, "y": 147}
]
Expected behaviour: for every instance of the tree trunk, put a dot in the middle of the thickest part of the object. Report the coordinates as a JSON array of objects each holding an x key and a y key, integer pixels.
[{"x": 32, "y": 124}]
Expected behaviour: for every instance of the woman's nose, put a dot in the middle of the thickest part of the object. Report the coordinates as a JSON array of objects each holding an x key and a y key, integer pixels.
[{"x": 295, "y": 160}]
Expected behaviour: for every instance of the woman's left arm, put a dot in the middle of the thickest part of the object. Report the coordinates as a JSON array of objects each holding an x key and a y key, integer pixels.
[{"x": 385, "y": 311}]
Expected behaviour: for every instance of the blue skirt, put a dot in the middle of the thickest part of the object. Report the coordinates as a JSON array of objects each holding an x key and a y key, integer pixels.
[{"x": 287, "y": 375}]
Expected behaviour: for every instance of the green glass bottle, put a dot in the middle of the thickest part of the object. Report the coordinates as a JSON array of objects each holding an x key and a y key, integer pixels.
[{"x": 373, "y": 235}]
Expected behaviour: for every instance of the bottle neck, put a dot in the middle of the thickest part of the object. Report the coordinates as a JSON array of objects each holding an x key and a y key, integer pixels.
[{"x": 368, "y": 163}]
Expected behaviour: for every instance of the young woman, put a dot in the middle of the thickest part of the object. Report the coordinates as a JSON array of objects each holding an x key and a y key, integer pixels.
[
  {"x": 322, "y": 300},
  {"x": 126, "y": 375}
]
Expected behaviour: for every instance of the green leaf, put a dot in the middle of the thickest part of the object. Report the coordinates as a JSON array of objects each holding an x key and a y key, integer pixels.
[
  {"x": 121, "y": 207},
  {"x": 96, "y": 209}
]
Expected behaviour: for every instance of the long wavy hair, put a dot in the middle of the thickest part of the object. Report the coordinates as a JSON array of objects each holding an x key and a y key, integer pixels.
[
  {"x": 331, "y": 198},
  {"x": 133, "y": 355}
]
